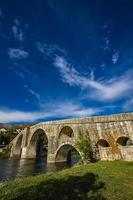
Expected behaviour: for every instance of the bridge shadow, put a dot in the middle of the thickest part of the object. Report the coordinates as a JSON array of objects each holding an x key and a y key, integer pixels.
[{"x": 87, "y": 187}]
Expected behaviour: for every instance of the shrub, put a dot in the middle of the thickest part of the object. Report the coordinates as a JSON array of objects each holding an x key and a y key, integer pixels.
[{"x": 83, "y": 144}]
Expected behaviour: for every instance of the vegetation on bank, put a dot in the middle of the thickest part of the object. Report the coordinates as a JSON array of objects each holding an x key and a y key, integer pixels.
[
  {"x": 8, "y": 136},
  {"x": 98, "y": 181}
]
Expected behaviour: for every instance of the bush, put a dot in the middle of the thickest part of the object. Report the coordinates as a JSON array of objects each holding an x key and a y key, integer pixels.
[{"x": 83, "y": 144}]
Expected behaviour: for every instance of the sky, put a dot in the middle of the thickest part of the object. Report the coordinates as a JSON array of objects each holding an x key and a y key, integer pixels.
[{"x": 65, "y": 59}]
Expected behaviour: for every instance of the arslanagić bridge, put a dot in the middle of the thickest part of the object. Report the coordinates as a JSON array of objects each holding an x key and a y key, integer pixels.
[{"x": 111, "y": 138}]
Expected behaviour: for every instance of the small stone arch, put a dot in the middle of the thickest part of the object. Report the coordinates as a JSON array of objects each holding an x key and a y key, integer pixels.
[
  {"x": 66, "y": 131},
  {"x": 63, "y": 152},
  {"x": 103, "y": 143},
  {"x": 37, "y": 141},
  {"x": 124, "y": 141},
  {"x": 18, "y": 147},
  {"x": 102, "y": 149}
]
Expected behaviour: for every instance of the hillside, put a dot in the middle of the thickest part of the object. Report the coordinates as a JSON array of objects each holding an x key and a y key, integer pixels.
[{"x": 2, "y": 125}]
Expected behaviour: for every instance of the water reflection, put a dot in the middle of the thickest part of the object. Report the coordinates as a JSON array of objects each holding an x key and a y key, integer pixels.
[{"x": 12, "y": 168}]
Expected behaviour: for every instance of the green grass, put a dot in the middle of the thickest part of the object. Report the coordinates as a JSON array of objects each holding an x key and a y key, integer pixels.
[{"x": 101, "y": 180}]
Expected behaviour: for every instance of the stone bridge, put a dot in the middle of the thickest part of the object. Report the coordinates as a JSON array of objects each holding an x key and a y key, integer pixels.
[{"x": 111, "y": 138}]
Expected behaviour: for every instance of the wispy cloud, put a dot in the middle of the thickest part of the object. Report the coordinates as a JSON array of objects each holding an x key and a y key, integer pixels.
[
  {"x": 32, "y": 92},
  {"x": 18, "y": 73},
  {"x": 50, "y": 50},
  {"x": 56, "y": 109},
  {"x": 111, "y": 89},
  {"x": 69, "y": 108},
  {"x": 108, "y": 89},
  {"x": 107, "y": 44},
  {"x": 103, "y": 65},
  {"x": 106, "y": 26},
  {"x": 16, "y": 53},
  {"x": 115, "y": 58},
  {"x": 128, "y": 105},
  {"x": 17, "y": 31}
]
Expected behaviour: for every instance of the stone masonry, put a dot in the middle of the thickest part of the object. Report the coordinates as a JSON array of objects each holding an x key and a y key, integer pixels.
[{"x": 111, "y": 137}]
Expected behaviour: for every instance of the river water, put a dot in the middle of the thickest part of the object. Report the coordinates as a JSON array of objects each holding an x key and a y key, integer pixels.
[{"x": 13, "y": 168}]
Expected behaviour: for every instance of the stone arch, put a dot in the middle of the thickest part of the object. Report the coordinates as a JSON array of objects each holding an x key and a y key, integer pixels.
[
  {"x": 66, "y": 131},
  {"x": 124, "y": 141},
  {"x": 63, "y": 152},
  {"x": 38, "y": 142},
  {"x": 18, "y": 146},
  {"x": 66, "y": 135},
  {"x": 102, "y": 149},
  {"x": 103, "y": 143}
]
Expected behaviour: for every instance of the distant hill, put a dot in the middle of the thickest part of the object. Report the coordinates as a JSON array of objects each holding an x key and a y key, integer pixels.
[
  {"x": 2, "y": 125},
  {"x": 17, "y": 126}
]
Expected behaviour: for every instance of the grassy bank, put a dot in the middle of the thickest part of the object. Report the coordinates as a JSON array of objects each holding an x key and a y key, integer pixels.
[{"x": 101, "y": 180}]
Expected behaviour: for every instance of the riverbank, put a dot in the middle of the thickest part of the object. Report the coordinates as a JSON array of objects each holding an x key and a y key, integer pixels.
[{"x": 101, "y": 180}]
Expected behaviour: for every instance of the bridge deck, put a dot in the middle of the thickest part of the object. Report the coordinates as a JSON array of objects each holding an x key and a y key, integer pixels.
[{"x": 95, "y": 119}]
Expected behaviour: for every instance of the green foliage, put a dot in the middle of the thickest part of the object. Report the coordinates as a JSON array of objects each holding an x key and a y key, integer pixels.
[
  {"x": 8, "y": 136},
  {"x": 83, "y": 144},
  {"x": 11, "y": 133}
]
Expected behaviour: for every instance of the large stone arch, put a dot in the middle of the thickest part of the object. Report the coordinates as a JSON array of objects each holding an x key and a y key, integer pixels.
[
  {"x": 36, "y": 135},
  {"x": 63, "y": 151},
  {"x": 34, "y": 129},
  {"x": 17, "y": 147}
]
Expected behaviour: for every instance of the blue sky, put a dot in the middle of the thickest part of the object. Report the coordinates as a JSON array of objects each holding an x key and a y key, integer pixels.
[{"x": 63, "y": 59}]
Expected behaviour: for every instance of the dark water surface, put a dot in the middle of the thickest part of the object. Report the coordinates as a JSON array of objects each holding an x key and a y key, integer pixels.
[{"x": 12, "y": 168}]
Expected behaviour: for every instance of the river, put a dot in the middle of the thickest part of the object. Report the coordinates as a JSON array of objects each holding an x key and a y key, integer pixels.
[{"x": 13, "y": 168}]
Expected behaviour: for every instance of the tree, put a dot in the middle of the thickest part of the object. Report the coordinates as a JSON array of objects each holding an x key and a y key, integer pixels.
[
  {"x": 10, "y": 134},
  {"x": 83, "y": 144}
]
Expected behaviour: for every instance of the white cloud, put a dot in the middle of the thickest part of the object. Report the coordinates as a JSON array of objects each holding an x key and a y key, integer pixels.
[
  {"x": 17, "y": 31},
  {"x": 107, "y": 89},
  {"x": 71, "y": 109},
  {"x": 99, "y": 90},
  {"x": 56, "y": 109},
  {"x": 31, "y": 91},
  {"x": 7, "y": 116},
  {"x": 115, "y": 58},
  {"x": 15, "y": 53}
]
